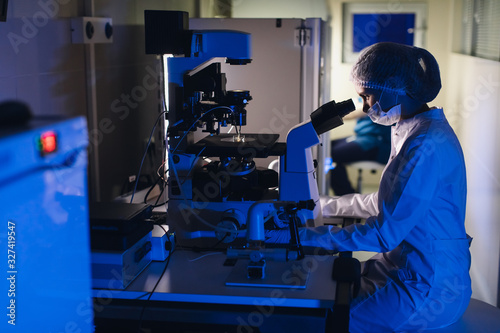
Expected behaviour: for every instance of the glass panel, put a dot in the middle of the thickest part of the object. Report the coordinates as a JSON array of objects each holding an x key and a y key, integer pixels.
[{"x": 487, "y": 43}]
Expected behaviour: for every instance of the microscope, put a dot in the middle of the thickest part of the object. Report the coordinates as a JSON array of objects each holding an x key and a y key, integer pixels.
[{"x": 216, "y": 190}]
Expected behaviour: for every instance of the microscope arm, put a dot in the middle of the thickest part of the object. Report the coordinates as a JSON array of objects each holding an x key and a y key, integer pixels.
[
  {"x": 206, "y": 45},
  {"x": 297, "y": 171}
]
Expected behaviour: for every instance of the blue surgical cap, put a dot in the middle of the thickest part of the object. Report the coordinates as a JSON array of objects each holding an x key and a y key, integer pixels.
[{"x": 398, "y": 68}]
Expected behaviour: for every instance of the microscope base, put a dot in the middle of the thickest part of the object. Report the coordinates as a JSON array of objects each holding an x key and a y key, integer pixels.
[{"x": 289, "y": 275}]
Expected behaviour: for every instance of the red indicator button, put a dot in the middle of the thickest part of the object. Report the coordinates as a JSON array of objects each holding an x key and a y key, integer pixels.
[{"x": 48, "y": 142}]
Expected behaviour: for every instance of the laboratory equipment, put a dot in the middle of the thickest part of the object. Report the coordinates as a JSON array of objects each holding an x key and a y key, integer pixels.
[
  {"x": 116, "y": 226},
  {"x": 162, "y": 243},
  {"x": 117, "y": 269},
  {"x": 214, "y": 179},
  {"x": 121, "y": 242},
  {"x": 45, "y": 230}
]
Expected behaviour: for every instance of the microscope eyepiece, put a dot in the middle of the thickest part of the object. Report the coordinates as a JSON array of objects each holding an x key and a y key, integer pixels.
[
  {"x": 329, "y": 115},
  {"x": 344, "y": 108}
]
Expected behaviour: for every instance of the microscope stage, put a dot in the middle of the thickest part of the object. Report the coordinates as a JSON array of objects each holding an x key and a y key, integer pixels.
[{"x": 252, "y": 145}]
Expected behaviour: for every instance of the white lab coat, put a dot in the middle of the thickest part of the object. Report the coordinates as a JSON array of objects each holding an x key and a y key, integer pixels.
[{"x": 420, "y": 278}]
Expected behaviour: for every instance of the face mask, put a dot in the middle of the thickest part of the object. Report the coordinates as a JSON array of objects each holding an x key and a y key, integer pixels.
[{"x": 377, "y": 115}]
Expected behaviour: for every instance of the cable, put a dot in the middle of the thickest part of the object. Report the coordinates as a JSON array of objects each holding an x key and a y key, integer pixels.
[
  {"x": 145, "y": 153},
  {"x": 203, "y": 256},
  {"x": 194, "y": 123},
  {"x": 192, "y": 164},
  {"x": 161, "y": 166},
  {"x": 163, "y": 203},
  {"x": 165, "y": 111},
  {"x": 159, "y": 195},
  {"x": 151, "y": 189},
  {"x": 141, "y": 317},
  {"x": 221, "y": 240}
]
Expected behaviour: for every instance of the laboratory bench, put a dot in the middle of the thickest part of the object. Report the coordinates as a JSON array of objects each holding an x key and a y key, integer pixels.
[{"x": 199, "y": 292}]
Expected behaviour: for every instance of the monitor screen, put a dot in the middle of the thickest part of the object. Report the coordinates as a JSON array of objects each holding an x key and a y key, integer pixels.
[{"x": 3, "y": 10}]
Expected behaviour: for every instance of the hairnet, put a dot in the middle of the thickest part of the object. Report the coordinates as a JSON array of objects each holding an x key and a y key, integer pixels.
[{"x": 398, "y": 68}]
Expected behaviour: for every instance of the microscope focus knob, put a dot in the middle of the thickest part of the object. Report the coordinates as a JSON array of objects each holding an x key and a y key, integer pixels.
[
  {"x": 228, "y": 227},
  {"x": 256, "y": 256},
  {"x": 226, "y": 231}
]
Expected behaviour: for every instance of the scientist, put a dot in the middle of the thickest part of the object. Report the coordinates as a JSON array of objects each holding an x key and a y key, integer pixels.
[{"x": 420, "y": 277}]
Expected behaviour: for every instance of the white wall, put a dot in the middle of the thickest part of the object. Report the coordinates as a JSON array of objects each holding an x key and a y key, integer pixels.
[
  {"x": 279, "y": 9},
  {"x": 41, "y": 66},
  {"x": 38, "y": 63},
  {"x": 474, "y": 99},
  {"x": 127, "y": 99}
]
